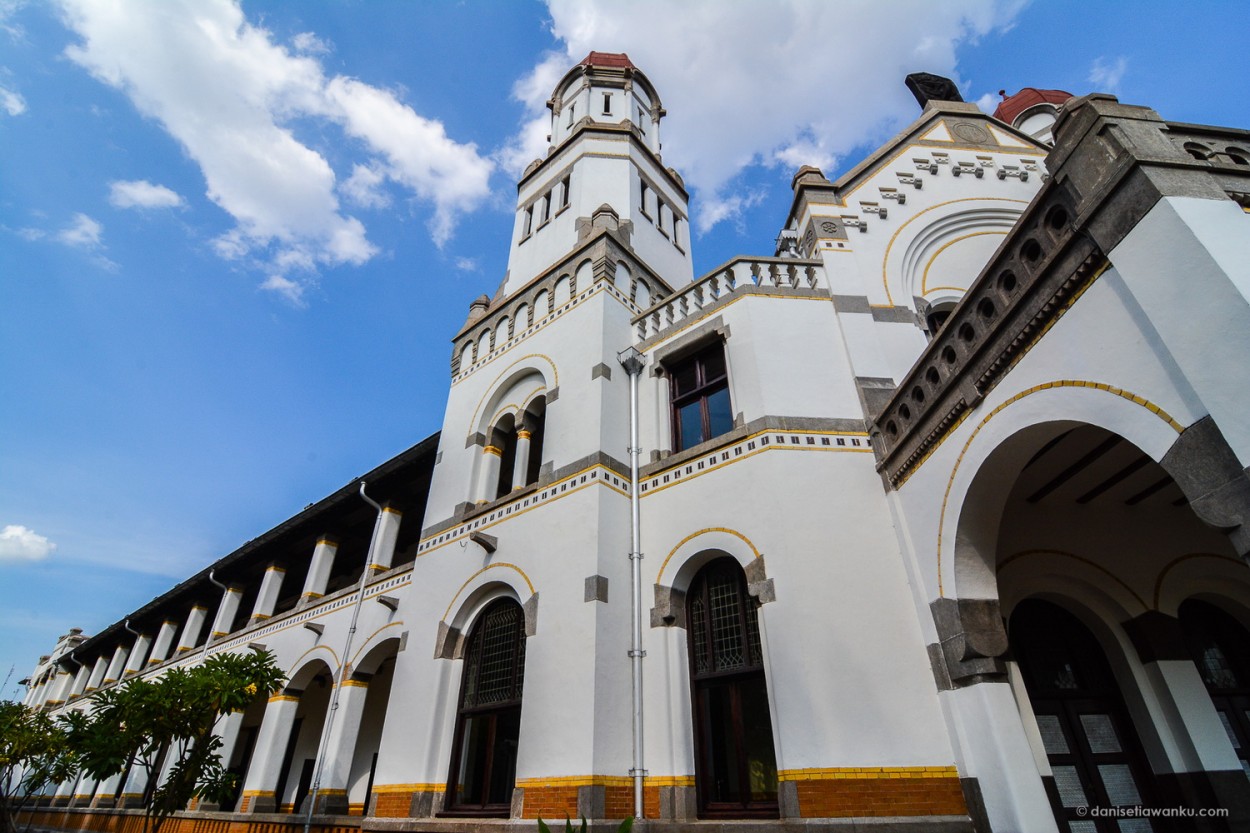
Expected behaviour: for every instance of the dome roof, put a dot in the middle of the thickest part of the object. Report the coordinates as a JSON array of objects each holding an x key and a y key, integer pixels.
[
  {"x": 1012, "y": 106},
  {"x": 608, "y": 59}
]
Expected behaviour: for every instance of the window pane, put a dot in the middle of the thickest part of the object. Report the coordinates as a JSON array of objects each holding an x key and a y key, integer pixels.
[
  {"x": 504, "y": 755},
  {"x": 718, "y": 737},
  {"x": 720, "y": 419},
  {"x": 475, "y": 735},
  {"x": 690, "y": 425},
  {"x": 713, "y": 364},
  {"x": 684, "y": 379},
  {"x": 758, "y": 732}
]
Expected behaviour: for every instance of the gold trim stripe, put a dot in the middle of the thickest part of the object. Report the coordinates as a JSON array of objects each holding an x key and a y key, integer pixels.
[
  {"x": 862, "y": 772},
  {"x": 383, "y": 789}
]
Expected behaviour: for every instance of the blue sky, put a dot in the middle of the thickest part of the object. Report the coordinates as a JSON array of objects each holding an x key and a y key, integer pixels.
[{"x": 236, "y": 237}]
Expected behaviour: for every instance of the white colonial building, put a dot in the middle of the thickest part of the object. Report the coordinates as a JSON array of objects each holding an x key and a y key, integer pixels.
[{"x": 940, "y": 509}]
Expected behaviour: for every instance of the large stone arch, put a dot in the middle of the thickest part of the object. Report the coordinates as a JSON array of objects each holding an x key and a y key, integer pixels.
[
  {"x": 689, "y": 556},
  {"x": 498, "y": 580}
]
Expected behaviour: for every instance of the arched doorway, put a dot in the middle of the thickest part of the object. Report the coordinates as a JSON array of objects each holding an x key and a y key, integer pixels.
[
  {"x": 1094, "y": 752},
  {"x": 1220, "y": 646},
  {"x": 488, "y": 723},
  {"x": 735, "y": 760}
]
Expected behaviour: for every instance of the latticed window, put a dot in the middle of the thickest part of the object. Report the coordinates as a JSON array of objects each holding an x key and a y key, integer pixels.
[
  {"x": 483, "y": 765},
  {"x": 1220, "y": 646},
  {"x": 735, "y": 763}
]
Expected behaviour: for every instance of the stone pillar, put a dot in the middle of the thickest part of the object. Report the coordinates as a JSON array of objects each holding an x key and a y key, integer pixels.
[
  {"x": 1212, "y": 768},
  {"x": 97, "y": 674},
  {"x": 999, "y": 773},
  {"x": 65, "y": 792},
  {"x": 83, "y": 792},
  {"x": 385, "y": 534},
  {"x": 223, "y": 622},
  {"x": 191, "y": 629},
  {"x": 267, "y": 598},
  {"x": 136, "y": 785},
  {"x": 340, "y": 744},
  {"x": 489, "y": 482},
  {"x": 164, "y": 642},
  {"x": 114, "y": 672},
  {"x": 319, "y": 570},
  {"x": 266, "y": 768},
  {"x": 80, "y": 681},
  {"x": 228, "y": 730},
  {"x": 522, "y": 464},
  {"x": 138, "y": 654}
]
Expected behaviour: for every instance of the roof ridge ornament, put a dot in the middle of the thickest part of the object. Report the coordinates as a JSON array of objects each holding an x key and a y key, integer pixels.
[{"x": 928, "y": 87}]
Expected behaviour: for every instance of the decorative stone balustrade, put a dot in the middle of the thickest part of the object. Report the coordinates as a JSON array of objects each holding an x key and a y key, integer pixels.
[{"x": 772, "y": 274}]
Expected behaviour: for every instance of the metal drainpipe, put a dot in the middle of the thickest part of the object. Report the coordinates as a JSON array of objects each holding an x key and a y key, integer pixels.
[
  {"x": 633, "y": 361},
  {"x": 342, "y": 672},
  {"x": 209, "y": 639}
]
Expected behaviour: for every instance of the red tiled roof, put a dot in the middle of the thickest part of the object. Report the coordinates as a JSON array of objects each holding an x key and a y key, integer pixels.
[
  {"x": 1012, "y": 106},
  {"x": 608, "y": 59}
]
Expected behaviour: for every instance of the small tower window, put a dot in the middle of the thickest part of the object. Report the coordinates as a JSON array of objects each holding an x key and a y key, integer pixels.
[
  {"x": 607, "y": 104},
  {"x": 564, "y": 192},
  {"x": 528, "y": 225},
  {"x": 642, "y": 199},
  {"x": 642, "y": 123},
  {"x": 572, "y": 110},
  {"x": 546, "y": 208}
]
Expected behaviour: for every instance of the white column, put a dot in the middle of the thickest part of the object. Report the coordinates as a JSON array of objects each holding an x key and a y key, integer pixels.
[
  {"x": 114, "y": 672},
  {"x": 106, "y": 790},
  {"x": 382, "y": 547},
  {"x": 61, "y": 687},
  {"x": 486, "y": 487},
  {"x": 164, "y": 642},
  {"x": 521, "y": 467},
  {"x": 65, "y": 792},
  {"x": 191, "y": 629},
  {"x": 228, "y": 730},
  {"x": 138, "y": 654},
  {"x": 80, "y": 681},
  {"x": 97, "y": 674},
  {"x": 341, "y": 743},
  {"x": 319, "y": 570},
  {"x": 265, "y": 769},
  {"x": 136, "y": 784},
  {"x": 223, "y": 622},
  {"x": 267, "y": 598}
]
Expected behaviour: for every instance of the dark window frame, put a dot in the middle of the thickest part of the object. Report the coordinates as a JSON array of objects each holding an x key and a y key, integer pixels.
[
  {"x": 705, "y": 387},
  {"x": 494, "y": 713},
  {"x": 732, "y": 686}
]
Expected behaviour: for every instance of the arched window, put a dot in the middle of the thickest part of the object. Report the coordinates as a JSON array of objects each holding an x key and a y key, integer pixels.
[
  {"x": 1094, "y": 753},
  {"x": 488, "y": 724},
  {"x": 735, "y": 763},
  {"x": 936, "y": 316},
  {"x": 1220, "y": 646}
]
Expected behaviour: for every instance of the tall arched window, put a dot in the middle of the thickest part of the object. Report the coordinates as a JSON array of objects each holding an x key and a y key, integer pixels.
[
  {"x": 735, "y": 764},
  {"x": 1094, "y": 753},
  {"x": 488, "y": 724},
  {"x": 1220, "y": 647}
]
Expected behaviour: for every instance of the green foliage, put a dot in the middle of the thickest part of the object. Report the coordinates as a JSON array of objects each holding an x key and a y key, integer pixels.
[
  {"x": 34, "y": 752},
  {"x": 624, "y": 826},
  {"x": 147, "y": 720}
]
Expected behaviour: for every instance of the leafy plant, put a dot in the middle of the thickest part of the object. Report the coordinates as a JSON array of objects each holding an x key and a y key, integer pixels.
[
  {"x": 624, "y": 826},
  {"x": 165, "y": 726},
  {"x": 34, "y": 752}
]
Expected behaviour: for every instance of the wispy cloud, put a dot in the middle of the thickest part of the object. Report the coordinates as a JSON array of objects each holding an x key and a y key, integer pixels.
[
  {"x": 466, "y": 264},
  {"x": 1106, "y": 73},
  {"x": 17, "y": 543},
  {"x": 143, "y": 194},
  {"x": 12, "y": 102},
  {"x": 228, "y": 92},
  {"x": 289, "y": 290},
  {"x": 82, "y": 233}
]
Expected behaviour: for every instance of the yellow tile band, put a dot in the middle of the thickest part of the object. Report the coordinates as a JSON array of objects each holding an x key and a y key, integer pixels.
[
  {"x": 383, "y": 789},
  {"x": 862, "y": 772}
]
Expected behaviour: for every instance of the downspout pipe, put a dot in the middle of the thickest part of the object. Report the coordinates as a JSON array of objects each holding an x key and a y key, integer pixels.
[
  {"x": 633, "y": 361},
  {"x": 341, "y": 676},
  {"x": 208, "y": 640}
]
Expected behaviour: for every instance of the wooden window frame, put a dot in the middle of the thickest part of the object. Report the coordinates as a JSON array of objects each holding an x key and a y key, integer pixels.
[{"x": 703, "y": 389}]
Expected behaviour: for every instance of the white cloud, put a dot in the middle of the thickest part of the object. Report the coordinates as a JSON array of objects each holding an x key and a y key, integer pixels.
[
  {"x": 717, "y": 208},
  {"x": 140, "y": 193},
  {"x": 364, "y": 188},
  {"x": 292, "y": 291},
  {"x": 31, "y": 234},
  {"x": 11, "y": 102},
  {"x": 988, "y": 103},
  {"x": 310, "y": 44},
  {"x": 1105, "y": 74},
  {"x": 466, "y": 264},
  {"x": 9, "y": 8},
  {"x": 83, "y": 233},
  {"x": 17, "y": 543},
  {"x": 228, "y": 93},
  {"x": 765, "y": 82}
]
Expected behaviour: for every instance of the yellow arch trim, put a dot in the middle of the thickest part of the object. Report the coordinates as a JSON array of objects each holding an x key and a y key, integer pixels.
[
  {"x": 924, "y": 279},
  {"x": 1176, "y": 561},
  {"x": 885, "y": 260},
  {"x": 555, "y": 378},
  {"x": 470, "y": 579},
  {"x": 299, "y": 661},
  {"x": 693, "y": 535},
  {"x": 365, "y": 644},
  {"x": 1086, "y": 561},
  {"x": 1061, "y": 383}
]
